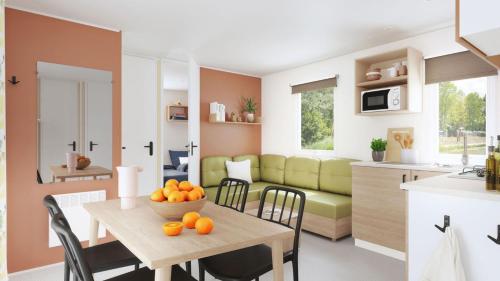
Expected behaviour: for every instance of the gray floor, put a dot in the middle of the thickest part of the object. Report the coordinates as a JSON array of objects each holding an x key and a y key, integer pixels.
[{"x": 320, "y": 260}]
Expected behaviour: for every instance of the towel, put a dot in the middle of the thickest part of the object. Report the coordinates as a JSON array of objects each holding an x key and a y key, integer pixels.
[{"x": 445, "y": 263}]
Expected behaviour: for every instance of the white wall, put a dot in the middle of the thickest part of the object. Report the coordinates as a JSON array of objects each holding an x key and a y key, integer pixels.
[
  {"x": 175, "y": 134},
  {"x": 352, "y": 133}
]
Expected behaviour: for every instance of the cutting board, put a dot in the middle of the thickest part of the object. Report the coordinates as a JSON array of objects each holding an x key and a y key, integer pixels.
[{"x": 393, "y": 149}]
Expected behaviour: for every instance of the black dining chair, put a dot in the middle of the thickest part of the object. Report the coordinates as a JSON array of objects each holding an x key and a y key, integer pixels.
[
  {"x": 250, "y": 263},
  {"x": 101, "y": 257},
  {"x": 79, "y": 265}
]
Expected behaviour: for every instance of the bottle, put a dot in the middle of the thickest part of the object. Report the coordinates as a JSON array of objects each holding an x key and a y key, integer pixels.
[
  {"x": 497, "y": 165},
  {"x": 491, "y": 168}
]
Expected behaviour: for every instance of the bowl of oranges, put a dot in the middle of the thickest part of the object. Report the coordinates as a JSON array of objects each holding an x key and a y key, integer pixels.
[{"x": 177, "y": 198}]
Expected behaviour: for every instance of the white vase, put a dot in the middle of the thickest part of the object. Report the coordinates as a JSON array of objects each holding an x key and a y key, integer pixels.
[
  {"x": 128, "y": 185},
  {"x": 250, "y": 117},
  {"x": 408, "y": 156}
]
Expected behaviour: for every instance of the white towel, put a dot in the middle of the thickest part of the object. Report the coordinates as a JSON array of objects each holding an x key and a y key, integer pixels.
[{"x": 445, "y": 263}]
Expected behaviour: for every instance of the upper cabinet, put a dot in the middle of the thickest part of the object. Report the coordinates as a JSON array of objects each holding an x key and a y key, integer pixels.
[{"x": 478, "y": 28}]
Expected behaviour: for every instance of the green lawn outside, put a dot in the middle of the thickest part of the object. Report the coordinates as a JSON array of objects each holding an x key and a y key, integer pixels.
[
  {"x": 324, "y": 144},
  {"x": 450, "y": 145}
]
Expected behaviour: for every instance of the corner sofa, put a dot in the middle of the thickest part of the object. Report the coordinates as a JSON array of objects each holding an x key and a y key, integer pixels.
[{"x": 326, "y": 183}]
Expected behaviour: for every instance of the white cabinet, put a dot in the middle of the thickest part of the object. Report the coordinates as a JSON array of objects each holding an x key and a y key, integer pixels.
[{"x": 472, "y": 219}]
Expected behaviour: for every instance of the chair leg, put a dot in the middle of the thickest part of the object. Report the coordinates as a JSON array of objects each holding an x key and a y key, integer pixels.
[
  {"x": 201, "y": 273},
  {"x": 295, "y": 265},
  {"x": 136, "y": 266},
  {"x": 257, "y": 279},
  {"x": 188, "y": 267},
  {"x": 66, "y": 269}
]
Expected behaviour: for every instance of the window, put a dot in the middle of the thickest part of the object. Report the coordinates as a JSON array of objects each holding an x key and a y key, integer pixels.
[
  {"x": 316, "y": 119},
  {"x": 462, "y": 113}
]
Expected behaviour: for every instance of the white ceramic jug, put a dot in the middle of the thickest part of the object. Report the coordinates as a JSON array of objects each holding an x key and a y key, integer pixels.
[{"x": 128, "y": 185}]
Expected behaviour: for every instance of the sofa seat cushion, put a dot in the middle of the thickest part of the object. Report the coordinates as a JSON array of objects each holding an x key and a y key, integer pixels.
[
  {"x": 335, "y": 175},
  {"x": 254, "y": 165},
  {"x": 325, "y": 204},
  {"x": 272, "y": 168},
  {"x": 213, "y": 170},
  {"x": 253, "y": 192},
  {"x": 302, "y": 172}
]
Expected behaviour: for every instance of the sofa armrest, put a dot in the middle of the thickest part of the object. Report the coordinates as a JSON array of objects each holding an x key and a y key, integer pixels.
[{"x": 169, "y": 167}]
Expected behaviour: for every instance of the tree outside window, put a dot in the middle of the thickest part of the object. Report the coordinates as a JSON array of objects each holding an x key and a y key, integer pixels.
[{"x": 317, "y": 119}]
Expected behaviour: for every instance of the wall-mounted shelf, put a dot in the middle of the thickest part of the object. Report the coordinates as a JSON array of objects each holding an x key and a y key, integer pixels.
[
  {"x": 173, "y": 110},
  {"x": 236, "y": 123},
  {"x": 413, "y": 80}
]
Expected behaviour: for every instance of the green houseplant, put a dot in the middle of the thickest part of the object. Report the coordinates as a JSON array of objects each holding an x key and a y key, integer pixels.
[
  {"x": 378, "y": 149},
  {"x": 249, "y": 108}
]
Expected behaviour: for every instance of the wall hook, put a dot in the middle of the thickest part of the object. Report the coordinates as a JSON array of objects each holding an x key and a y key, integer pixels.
[
  {"x": 446, "y": 224},
  {"x": 14, "y": 80},
  {"x": 497, "y": 240}
]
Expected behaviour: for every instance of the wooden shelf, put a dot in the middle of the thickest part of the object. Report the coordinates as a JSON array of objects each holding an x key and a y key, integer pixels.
[
  {"x": 177, "y": 121},
  {"x": 176, "y": 109},
  {"x": 379, "y": 113},
  {"x": 237, "y": 123},
  {"x": 394, "y": 81}
]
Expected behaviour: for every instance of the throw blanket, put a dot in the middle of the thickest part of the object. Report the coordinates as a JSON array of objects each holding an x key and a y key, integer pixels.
[{"x": 445, "y": 263}]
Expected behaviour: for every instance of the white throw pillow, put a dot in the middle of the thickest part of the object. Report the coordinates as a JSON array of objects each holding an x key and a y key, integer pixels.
[
  {"x": 183, "y": 160},
  {"x": 239, "y": 170}
]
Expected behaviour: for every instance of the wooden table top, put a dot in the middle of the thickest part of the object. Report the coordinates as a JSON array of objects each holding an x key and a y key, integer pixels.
[
  {"x": 91, "y": 171},
  {"x": 140, "y": 230}
]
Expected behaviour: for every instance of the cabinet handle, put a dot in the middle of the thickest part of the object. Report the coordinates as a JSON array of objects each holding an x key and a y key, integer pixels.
[
  {"x": 415, "y": 178},
  {"x": 404, "y": 178},
  {"x": 497, "y": 240}
]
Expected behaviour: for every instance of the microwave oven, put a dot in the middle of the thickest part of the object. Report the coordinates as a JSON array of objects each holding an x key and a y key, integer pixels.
[{"x": 384, "y": 99}]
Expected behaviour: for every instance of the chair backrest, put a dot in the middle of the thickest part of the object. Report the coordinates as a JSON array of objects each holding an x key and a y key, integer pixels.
[
  {"x": 72, "y": 249},
  {"x": 38, "y": 177},
  {"x": 284, "y": 205},
  {"x": 51, "y": 204},
  {"x": 230, "y": 190}
]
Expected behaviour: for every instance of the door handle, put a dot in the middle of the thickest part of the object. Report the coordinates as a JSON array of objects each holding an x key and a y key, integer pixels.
[
  {"x": 191, "y": 146},
  {"x": 415, "y": 178},
  {"x": 404, "y": 178},
  {"x": 150, "y": 146},
  {"x": 92, "y": 144},
  {"x": 73, "y": 144}
]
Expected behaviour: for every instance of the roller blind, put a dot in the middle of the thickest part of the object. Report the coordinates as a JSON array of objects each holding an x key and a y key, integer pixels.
[
  {"x": 456, "y": 66},
  {"x": 311, "y": 86}
]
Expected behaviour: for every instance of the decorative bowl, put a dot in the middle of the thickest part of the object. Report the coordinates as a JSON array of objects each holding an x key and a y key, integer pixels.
[
  {"x": 83, "y": 163},
  {"x": 175, "y": 211},
  {"x": 372, "y": 76}
]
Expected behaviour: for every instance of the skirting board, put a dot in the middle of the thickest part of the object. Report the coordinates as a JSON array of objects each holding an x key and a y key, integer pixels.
[{"x": 380, "y": 249}]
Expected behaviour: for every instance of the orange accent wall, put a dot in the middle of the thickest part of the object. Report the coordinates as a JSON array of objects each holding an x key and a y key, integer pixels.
[
  {"x": 31, "y": 38},
  {"x": 228, "y": 89}
]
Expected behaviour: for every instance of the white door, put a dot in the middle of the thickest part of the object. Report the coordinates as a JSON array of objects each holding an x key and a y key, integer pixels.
[
  {"x": 194, "y": 122},
  {"x": 98, "y": 140},
  {"x": 139, "y": 123},
  {"x": 58, "y": 123}
]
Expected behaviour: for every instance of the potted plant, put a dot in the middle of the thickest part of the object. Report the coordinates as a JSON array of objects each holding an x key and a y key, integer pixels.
[
  {"x": 378, "y": 149},
  {"x": 249, "y": 108}
]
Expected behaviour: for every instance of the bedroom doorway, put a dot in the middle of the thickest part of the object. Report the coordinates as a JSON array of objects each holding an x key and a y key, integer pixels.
[{"x": 180, "y": 120}]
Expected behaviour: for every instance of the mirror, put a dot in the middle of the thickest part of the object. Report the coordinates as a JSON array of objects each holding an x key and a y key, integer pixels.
[{"x": 74, "y": 123}]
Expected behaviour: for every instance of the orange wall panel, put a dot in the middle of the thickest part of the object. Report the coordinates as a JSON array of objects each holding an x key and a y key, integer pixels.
[
  {"x": 31, "y": 38},
  {"x": 228, "y": 89}
]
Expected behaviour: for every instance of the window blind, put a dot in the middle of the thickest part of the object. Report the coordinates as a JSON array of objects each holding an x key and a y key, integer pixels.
[
  {"x": 311, "y": 86},
  {"x": 458, "y": 66}
]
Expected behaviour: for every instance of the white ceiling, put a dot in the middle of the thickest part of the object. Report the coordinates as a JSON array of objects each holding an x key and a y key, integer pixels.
[{"x": 255, "y": 37}]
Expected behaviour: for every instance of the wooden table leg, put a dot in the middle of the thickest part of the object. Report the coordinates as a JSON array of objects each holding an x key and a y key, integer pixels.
[
  {"x": 277, "y": 247},
  {"x": 163, "y": 274},
  {"x": 93, "y": 233}
]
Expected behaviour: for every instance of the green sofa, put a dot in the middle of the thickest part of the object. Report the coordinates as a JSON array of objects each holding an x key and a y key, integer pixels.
[{"x": 326, "y": 183}]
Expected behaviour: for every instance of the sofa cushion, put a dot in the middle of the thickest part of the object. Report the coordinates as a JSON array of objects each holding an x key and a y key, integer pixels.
[
  {"x": 272, "y": 168},
  {"x": 302, "y": 172},
  {"x": 325, "y": 204},
  {"x": 254, "y": 164},
  {"x": 254, "y": 191},
  {"x": 335, "y": 175},
  {"x": 213, "y": 170}
]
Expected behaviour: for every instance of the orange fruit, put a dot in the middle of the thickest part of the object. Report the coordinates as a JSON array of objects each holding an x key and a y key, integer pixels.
[
  {"x": 185, "y": 194},
  {"x": 189, "y": 219},
  {"x": 169, "y": 189},
  {"x": 199, "y": 189},
  {"x": 157, "y": 195},
  {"x": 204, "y": 225},
  {"x": 171, "y": 182},
  {"x": 185, "y": 185},
  {"x": 172, "y": 228},
  {"x": 194, "y": 195},
  {"x": 175, "y": 197}
]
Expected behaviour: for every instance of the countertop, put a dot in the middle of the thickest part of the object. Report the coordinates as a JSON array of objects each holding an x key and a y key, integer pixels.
[
  {"x": 417, "y": 167},
  {"x": 453, "y": 186}
]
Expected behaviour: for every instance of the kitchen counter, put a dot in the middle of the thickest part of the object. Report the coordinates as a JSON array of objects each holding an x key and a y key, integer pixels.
[
  {"x": 416, "y": 167},
  {"x": 447, "y": 185}
]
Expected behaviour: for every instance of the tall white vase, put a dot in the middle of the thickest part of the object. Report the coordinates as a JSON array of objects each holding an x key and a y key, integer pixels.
[{"x": 128, "y": 185}]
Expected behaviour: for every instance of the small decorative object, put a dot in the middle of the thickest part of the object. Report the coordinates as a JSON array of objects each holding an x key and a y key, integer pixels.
[
  {"x": 258, "y": 119},
  {"x": 71, "y": 161},
  {"x": 392, "y": 72},
  {"x": 239, "y": 118},
  {"x": 179, "y": 103},
  {"x": 234, "y": 117},
  {"x": 408, "y": 154},
  {"x": 373, "y": 74},
  {"x": 249, "y": 108},
  {"x": 378, "y": 149},
  {"x": 394, "y": 144},
  {"x": 403, "y": 69},
  {"x": 128, "y": 185},
  {"x": 82, "y": 162}
]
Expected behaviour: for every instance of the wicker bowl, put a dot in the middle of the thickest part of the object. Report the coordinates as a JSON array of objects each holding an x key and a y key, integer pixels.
[
  {"x": 372, "y": 76},
  {"x": 175, "y": 211}
]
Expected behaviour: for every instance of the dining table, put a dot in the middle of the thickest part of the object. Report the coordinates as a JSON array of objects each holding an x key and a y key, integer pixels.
[{"x": 140, "y": 230}]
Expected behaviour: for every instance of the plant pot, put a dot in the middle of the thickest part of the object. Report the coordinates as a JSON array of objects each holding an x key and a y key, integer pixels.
[
  {"x": 250, "y": 117},
  {"x": 378, "y": 156},
  {"x": 408, "y": 156}
]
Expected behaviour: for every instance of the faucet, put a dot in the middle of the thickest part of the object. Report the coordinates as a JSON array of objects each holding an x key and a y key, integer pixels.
[{"x": 465, "y": 154}]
